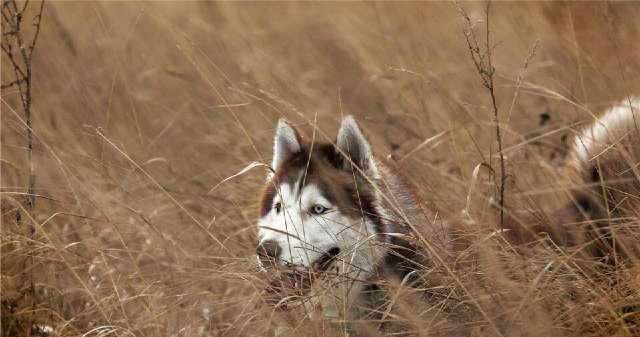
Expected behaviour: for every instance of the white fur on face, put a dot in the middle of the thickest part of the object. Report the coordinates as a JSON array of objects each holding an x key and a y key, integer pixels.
[{"x": 303, "y": 237}]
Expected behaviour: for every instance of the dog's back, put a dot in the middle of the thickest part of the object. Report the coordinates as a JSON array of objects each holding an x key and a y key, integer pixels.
[
  {"x": 603, "y": 167},
  {"x": 605, "y": 163}
]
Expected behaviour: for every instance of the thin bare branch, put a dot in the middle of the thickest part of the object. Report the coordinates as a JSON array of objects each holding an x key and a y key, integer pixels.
[
  {"x": 481, "y": 57},
  {"x": 13, "y": 47}
]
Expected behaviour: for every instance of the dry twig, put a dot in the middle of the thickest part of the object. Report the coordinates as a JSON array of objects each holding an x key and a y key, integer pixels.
[
  {"x": 481, "y": 58},
  {"x": 18, "y": 49},
  {"x": 19, "y": 52}
]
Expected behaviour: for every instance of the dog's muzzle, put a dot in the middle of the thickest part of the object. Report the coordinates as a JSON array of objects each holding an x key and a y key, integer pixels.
[
  {"x": 290, "y": 282},
  {"x": 269, "y": 253}
]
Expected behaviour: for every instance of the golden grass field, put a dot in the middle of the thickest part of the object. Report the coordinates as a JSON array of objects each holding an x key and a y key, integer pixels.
[{"x": 141, "y": 110}]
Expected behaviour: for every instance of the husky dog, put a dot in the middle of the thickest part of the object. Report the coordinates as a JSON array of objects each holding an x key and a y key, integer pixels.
[
  {"x": 336, "y": 205},
  {"x": 336, "y": 209}
]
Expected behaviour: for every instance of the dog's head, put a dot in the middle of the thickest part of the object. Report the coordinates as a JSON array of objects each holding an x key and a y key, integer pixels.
[{"x": 319, "y": 206}]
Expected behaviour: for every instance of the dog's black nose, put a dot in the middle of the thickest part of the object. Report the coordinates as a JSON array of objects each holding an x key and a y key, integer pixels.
[{"x": 268, "y": 252}]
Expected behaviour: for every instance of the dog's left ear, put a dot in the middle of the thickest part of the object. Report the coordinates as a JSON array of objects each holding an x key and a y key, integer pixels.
[{"x": 354, "y": 146}]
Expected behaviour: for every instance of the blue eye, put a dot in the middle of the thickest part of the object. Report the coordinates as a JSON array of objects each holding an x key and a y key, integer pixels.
[{"x": 318, "y": 209}]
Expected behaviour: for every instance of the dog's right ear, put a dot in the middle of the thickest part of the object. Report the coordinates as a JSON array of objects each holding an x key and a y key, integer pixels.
[{"x": 286, "y": 143}]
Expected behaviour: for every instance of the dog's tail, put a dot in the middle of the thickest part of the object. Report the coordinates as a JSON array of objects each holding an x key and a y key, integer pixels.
[{"x": 604, "y": 163}]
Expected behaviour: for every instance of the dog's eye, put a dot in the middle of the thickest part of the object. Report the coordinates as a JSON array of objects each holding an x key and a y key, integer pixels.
[
  {"x": 277, "y": 207},
  {"x": 318, "y": 209}
]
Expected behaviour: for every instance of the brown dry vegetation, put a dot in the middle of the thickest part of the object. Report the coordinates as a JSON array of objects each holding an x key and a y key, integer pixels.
[{"x": 140, "y": 109}]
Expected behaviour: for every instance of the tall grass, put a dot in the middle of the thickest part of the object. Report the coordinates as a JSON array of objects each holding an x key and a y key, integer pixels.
[{"x": 142, "y": 110}]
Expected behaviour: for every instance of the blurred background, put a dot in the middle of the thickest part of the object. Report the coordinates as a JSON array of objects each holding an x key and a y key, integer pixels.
[{"x": 140, "y": 110}]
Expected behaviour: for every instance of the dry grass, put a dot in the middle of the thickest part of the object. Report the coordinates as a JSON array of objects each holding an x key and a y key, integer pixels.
[{"x": 140, "y": 109}]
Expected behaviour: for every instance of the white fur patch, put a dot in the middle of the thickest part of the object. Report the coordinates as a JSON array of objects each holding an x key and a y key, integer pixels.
[{"x": 608, "y": 129}]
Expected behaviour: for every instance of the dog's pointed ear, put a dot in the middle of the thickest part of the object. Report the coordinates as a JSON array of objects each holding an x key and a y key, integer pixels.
[
  {"x": 286, "y": 143},
  {"x": 352, "y": 143}
]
